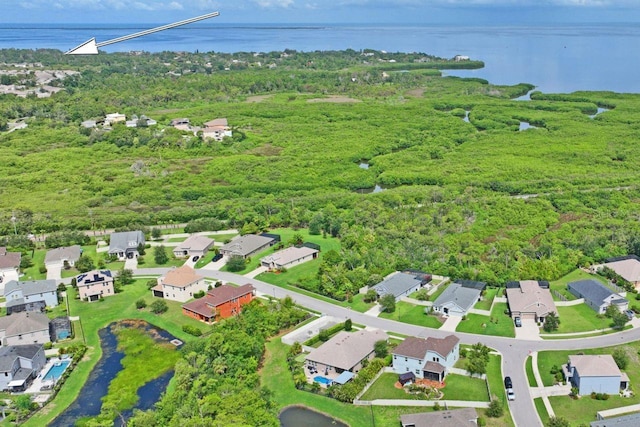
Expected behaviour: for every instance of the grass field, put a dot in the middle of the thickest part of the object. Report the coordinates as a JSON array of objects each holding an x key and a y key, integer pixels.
[
  {"x": 560, "y": 285},
  {"x": 502, "y": 325},
  {"x": 413, "y": 314},
  {"x": 487, "y": 299},
  {"x": 528, "y": 366},
  {"x": 542, "y": 411},
  {"x": 580, "y": 318}
]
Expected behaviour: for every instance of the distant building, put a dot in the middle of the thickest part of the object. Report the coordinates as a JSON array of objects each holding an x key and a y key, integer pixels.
[
  {"x": 597, "y": 296},
  {"x": 115, "y": 118},
  {"x": 181, "y": 124},
  {"x": 219, "y": 303},
  {"x": 9, "y": 266},
  {"x": 216, "y": 129},
  {"x": 179, "y": 284},
  {"x": 95, "y": 284},
  {"x": 194, "y": 245},
  {"x": 125, "y": 244},
  {"x": 631, "y": 420},
  {"x": 627, "y": 267},
  {"x": 598, "y": 374},
  {"x": 289, "y": 257},
  {"x": 247, "y": 245}
]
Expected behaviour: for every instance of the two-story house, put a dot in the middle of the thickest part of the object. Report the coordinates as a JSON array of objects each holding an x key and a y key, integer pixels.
[
  {"x": 19, "y": 364},
  {"x": 180, "y": 284},
  {"x": 95, "y": 284},
  {"x": 9, "y": 266},
  {"x": 24, "y": 328},
  {"x": 125, "y": 244},
  {"x": 426, "y": 358},
  {"x": 33, "y": 295}
]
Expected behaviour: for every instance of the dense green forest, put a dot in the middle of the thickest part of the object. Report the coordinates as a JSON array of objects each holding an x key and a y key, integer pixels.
[{"x": 313, "y": 134}]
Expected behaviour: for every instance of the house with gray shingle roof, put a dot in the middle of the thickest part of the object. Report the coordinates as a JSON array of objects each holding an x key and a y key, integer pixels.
[
  {"x": 595, "y": 373},
  {"x": 631, "y": 420},
  {"x": 24, "y": 296},
  {"x": 597, "y": 296},
  {"x": 401, "y": 284},
  {"x": 125, "y": 244},
  {"x": 246, "y": 245},
  {"x": 194, "y": 245},
  {"x": 24, "y": 328},
  {"x": 58, "y": 256},
  {"x": 426, "y": 358},
  {"x": 19, "y": 364},
  {"x": 456, "y": 300}
]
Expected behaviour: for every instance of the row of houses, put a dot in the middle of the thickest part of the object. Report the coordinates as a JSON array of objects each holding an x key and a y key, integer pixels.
[{"x": 113, "y": 118}]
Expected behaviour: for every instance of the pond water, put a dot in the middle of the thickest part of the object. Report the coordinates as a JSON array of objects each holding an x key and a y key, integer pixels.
[
  {"x": 364, "y": 165},
  {"x": 378, "y": 188},
  {"x": 525, "y": 126},
  {"x": 300, "y": 416},
  {"x": 600, "y": 111},
  {"x": 466, "y": 116},
  {"x": 89, "y": 400},
  {"x": 525, "y": 97}
]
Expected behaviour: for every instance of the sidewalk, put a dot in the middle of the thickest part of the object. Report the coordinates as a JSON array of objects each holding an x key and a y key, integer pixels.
[{"x": 536, "y": 374}]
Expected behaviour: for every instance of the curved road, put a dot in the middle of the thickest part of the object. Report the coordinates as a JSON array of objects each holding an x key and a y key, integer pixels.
[{"x": 514, "y": 352}]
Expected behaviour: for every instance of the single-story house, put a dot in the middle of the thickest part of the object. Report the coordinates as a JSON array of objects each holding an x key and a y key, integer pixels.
[
  {"x": 194, "y": 245},
  {"x": 631, "y": 420},
  {"x": 60, "y": 256},
  {"x": 95, "y": 284},
  {"x": 627, "y": 267},
  {"x": 288, "y": 257},
  {"x": 401, "y": 284},
  {"x": 19, "y": 364},
  {"x": 217, "y": 129},
  {"x": 598, "y": 374},
  {"x": 9, "y": 266},
  {"x": 125, "y": 244},
  {"x": 456, "y": 300},
  {"x": 345, "y": 352},
  {"x": 24, "y": 328},
  {"x": 596, "y": 295},
  {"x": 530, "y": 301},
  {"x": 180, "y": 284},
  {"x": 219, "y": 303},
  {"x": 426, "y": 358},
  {"x": 115, "y": 118},
  {"x": 463, "y": 417},
  {"x": 21, "y": 296},
  {"x": 181, "y": 124},
  {"x": 247, "y": 245}
]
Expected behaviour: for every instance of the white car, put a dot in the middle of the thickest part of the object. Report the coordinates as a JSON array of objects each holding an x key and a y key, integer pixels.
[{"x": 510, "y": 394}]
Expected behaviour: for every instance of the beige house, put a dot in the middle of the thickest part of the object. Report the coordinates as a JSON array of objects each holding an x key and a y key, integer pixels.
[
  {"x": 95, "y": 285},
  {"x": 628, "y": 269},
  {"x": 194, "y": 245},
  {"x": 530, "y": 301},
  {"x": 216, "y": 129},
  {"x": 9, "y": 267},
  {"x": 289, "y": 257},
  {"x": 180, "y": 284},
  {"x": 26, "y": 327}
]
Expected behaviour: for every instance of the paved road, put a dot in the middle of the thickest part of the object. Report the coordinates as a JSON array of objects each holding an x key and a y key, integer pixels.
[{"x": 514, "y": 352}]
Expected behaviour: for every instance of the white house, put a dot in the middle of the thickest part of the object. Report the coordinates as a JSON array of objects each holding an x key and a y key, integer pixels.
[
  {"x": 216, "y": 129},
  {"x": 9, "y": 266},
  {"x": 24, "y": 328},
  {"x": 426, "y": 358},
  {"x": 194, "y": 245},
  {"x": 289, "y": 257},
  {"x": 180, "y": 284}
]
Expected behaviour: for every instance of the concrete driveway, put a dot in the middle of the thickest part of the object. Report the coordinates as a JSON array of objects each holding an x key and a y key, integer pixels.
[
  {"x": 217, "y": 265},
  {"x": 54, "y": 271},
  {"x": 451, "y": 323},
  {"x": 131, "y": 263},
  {"x": 528, "y": 331}
]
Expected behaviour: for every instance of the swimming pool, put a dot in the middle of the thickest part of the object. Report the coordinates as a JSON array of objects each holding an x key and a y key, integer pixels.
[
  {"x": 56, "y": 370},
  {"x": 322, "y": 380}
]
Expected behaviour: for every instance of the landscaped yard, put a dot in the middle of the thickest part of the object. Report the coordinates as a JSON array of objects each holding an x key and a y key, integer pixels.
[
  {"x": 487, "y": 299},
  {"x": 384, "y": 388},
  {"x": 498, "y": 323},
  {"x": 413, "y": 314},
  {"x": 580, "y": 318},
  {"x": 531, "y": 379}
]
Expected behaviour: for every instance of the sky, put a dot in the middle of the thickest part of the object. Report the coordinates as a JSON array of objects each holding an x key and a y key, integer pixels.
[{"x": 322, "y": 11}]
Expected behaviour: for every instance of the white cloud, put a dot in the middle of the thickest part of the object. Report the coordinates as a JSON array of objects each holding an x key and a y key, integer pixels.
[
  {"x": 174, "y": 5},
  {"x": 274, "y": 3}
]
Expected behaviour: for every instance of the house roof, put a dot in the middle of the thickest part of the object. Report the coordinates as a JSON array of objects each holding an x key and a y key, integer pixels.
[
  {"x": 24, "y": 323},
  {"x": 417, "y": 348},
  {"x": 181, "y": 277},
  {"x": 247, "y": 244},
  {"x": 473, "y": 284},
  {"x": 9, "y": 259},
  {"x": 96, "y": 276},
  {"x": 601, "y": 365},
  {"x": 346, "y": 349},
  {"x": 435, "y": 367},
  {"x": 9, "y": 354},
  {"x": 68, "y": 253},
  {"x": 30, "y": 287},
  {"x": 397, "y": 284},
  {"x": 464, "y": 417},
  {"x": 529, "y": 297},
  {"x": 628, "y": 269},
  {"x": 288, "y": 255},
  {"x": 122, "y": 241},
  {"x": 459, "y": 295},
  {"x": 216, "y": 123},
  {"x": 216, "y": 297},
  {"x": 592, "y": 290},
  {"x": 195, "y": 243},
  {"x": 631, "y": 420}
]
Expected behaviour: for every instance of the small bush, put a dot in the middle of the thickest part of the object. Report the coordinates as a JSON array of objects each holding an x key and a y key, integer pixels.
[
  {"x": 199, "y": 294},
  {"x": 192, "y": 330},
  {"x": 159, "y": 306},
  {"x": 140, "y": 304}
]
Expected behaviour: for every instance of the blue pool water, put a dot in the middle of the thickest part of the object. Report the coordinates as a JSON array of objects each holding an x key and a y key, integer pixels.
[
  {"x": 322, "y": 380},
  {"x": 56, "y": 371}
]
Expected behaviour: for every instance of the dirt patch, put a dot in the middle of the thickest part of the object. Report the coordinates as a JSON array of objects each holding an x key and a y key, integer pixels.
[
  {"x": 267, "y": 150},
  {"x": 257, "y": 98},
  {"x": 416, "y": 93},
  {"x": 335, "y": 99},
  {"x": 424, "y": 383}
]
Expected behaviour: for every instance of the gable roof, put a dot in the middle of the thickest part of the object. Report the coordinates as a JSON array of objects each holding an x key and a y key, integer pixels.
[
  {"x": 216, "y": 123},
  {"x": 459, "y": 295},
  {"x": 397, "y": 284},
  {"x": 463, "y": 417},
  {"x": 181, "y": 277},
  {"x": 631, "y": 420},
  {"x": 347, "y": 349},
  {"x": 9, "y": 354},
  {"x": 67, "y": 253},
  {"x": 473, "y": 284},
  {"x": 195, "y": 243},
  {"x": 95, "y": 276},
  {"x": 628, "y": 269},
  {"x": 601, "y": 365},
  {"x": 216, "y": 297},
  {"x": 120, "y": 242},
  {"x": 592, "y": 290},
  {"x": 417, "y": 348},
  {"x": 9, "y": 259},
  {"x": 31, "y": 287},
  {"x": 288, "y": 255},
  {"x": 247, "y": 244},
  {"x": 530, "y": 297},
  {"x": 23, "y": 323}
]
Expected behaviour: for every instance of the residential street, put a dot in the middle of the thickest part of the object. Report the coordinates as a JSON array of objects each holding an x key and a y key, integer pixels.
[{"x": 514, "y": 352}]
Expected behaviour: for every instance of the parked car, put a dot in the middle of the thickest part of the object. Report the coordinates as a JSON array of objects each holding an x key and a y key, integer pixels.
[
  {"x": 195, "y": 258},
  {"x": 507, "y": 383},
  {"x": 518, "y": 322},
  {"x": 630, "y": 314},
  {"x": 511, "y": 394},
  {"x": 217, "y": 257}
]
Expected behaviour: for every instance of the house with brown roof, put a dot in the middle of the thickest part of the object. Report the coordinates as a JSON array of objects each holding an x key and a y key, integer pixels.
[
  {"x": 426, "y": 358},
  {"x": 346, "y": 351},
  {"x": 216, "y": 129},
  {"x": 9, "y": 266},
  {"x": 463, "y": 417},
  {"x": 595, "y": 373},
  {"x": 219, "y": 303},
  {"x": 530, "y": 301},
  {"x": 179, "y": 284},
  {"x": 194, "y": 245},
  {"x": 289, "y": 257}
]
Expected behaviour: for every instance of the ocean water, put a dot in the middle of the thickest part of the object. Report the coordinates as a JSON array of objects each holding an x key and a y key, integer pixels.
[{"x": 558, "y": 58}]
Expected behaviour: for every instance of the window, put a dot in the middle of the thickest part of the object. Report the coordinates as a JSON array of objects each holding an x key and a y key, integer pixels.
[
  {"x": 406, "y": 359},
  {"x": 436, "y": 359}
]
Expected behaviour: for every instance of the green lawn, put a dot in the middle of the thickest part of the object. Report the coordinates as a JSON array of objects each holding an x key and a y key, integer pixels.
[
  {"x": 97, "y": 315},
  {"x": 222, "y": 237},
  {"x": 413, "y": 314},
  {"x": 384, "y": 388},
  {"x": 531, "y": 379},
  {"x": 560, "y": 285},
  {"x": 33, "y": 272},
  {"x": 461, "y": 387},
  {"x": 150, "y": 262},
  {"x": 496, "y": 387},
  {"x": 487, "y": 299},
  {"x": 584, "y": 410},
  {"x": 176, "y": 239},
  {"x": 580, "y": 318},
  {"x": 542, "y": 410},
  {"x": 502, "y": 325}
]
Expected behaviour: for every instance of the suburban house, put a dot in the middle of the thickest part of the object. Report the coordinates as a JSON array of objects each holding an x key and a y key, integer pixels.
[
  {"x": 247, "y": 245},
  {"x": 24, "y": 328},
  {"x": 95, "y": 284},
  {"x": 180, "y": 124},
  {"x": 426, "y": 358},
  {"x": 597, "y": 296},
  {"x": 180, "y": 284},
  {"x": 401, "y": 284},
  {"x": 457, "y": 300},
  {"x": 219, "y": 303},
  {"x": 194, "y": 245},
  {"x": 463, "y": 417},
  {"x": 114, "y": 118},
  {"x": 289, "y": 257},
  {"x": 216, "y": 129},
  {"x": 125, "y": 244},
  {"x": 30, "y": 296},
  {"x": 61, "y": 256},
  {"x": 19, "y": 364},
  {"x": 9, "y": 266},
  {"x": 528, "y": 300},
  {"x": 598, "y": 374},
  {"x": 627, "y": 267},
  {"x": 345, "y": 351},
  {"x": 631, "y": 420}
]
